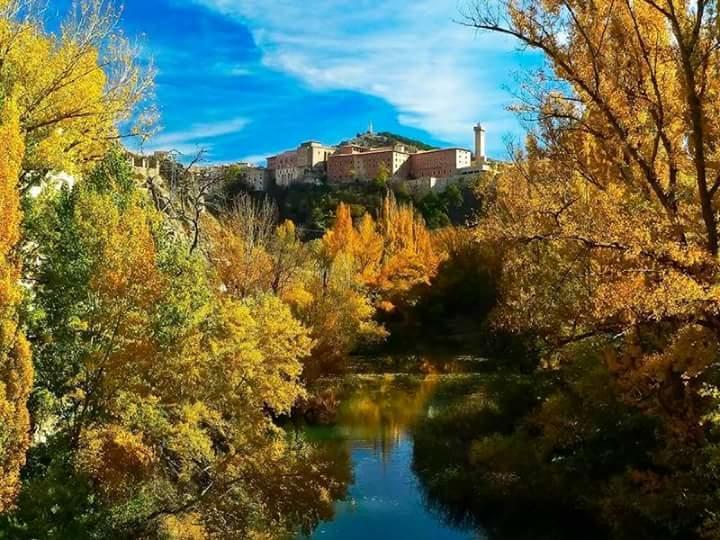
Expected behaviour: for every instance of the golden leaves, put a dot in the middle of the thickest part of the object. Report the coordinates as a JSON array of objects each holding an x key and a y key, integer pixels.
[
  {"x": 72, "y": 89},
  {"x": 115, "y": 459},
  {"x": 16, "y": 373}
]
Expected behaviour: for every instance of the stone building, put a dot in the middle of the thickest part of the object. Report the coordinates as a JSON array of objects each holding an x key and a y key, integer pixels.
[
  {"x": 356, "y": 163},
  {"x": 258, "y": 178},
  {"x": 311, "y": 162},
  {"x": 307, "y": 163},
  {"x": 439, "y": 163}
]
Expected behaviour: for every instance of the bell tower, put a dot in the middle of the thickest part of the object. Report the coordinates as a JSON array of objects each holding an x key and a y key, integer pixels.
[{"x": 480, "y": 155}]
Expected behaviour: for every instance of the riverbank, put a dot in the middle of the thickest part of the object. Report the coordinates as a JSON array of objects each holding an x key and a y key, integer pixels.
[{"x": 405, "y": 429}]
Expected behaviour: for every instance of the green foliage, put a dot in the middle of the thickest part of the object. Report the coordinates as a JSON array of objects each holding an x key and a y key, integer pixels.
[
  {"x": 383, "y": 176},
  {"x": 55, "y": 503},
  {"x": 313, "y": 207},
  {"x": 154, "y": 390},
  {"x": 384, "y": 139},
  {"x": 455, "y": 205},
  {"x": 459, "y": 304},
  {"x": 407, "y": 140}
]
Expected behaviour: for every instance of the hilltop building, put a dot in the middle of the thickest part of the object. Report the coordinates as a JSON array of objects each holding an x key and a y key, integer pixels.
[
  {"x": 352, "y": 162},
  {"x": 305, "y": 164},
  {"x": 313, "y": 162},
  {"x": 258, "y": 178}
]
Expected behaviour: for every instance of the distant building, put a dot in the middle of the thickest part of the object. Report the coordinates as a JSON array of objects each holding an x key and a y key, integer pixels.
[
  {"x": 312, "y": 162},
  {"x": 147, "y": 166},
  {"x": 481, "y": 160},
  {"x": 356, "y": 163},
  {"x": 439, "y": 163},
  {"x": 351, "y": 163},
  {"x": 307, "y": 163},
  {"x": 258, "y": 178}
]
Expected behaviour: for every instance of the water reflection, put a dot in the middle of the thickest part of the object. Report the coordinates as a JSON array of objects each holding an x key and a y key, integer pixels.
[
  {"x": 375, "y": 423},
  {"x": 382, "y": 409}
]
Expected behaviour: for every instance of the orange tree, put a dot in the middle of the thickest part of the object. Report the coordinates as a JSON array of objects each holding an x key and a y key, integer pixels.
[
  {"x": 15, "y": 364},
  {"x": 609, "y": 214}
]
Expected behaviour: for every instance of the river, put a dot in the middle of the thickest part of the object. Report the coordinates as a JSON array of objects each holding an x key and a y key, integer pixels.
[{"x": 375, "y": 428}]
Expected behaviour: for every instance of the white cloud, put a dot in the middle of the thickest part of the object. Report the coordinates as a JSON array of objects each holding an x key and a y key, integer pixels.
[
  {"x": 232, "y": 69},
  {"x": 440, "y": 76},
  {"x": 196, "y": 136},
  {"x": 256, "y": 159}
]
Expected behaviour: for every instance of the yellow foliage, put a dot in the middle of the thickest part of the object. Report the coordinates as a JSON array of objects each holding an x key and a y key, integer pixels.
[
  {"x": 393, "y": 255},
  {"x": 341, "y": 237},
  {"x": 16, "y": 372},
  {"x": 182, "y": 527},
  {"x": 72, "y": 88},
  {"x": 609, "y": 217},
  {"x": 177, "y": 382},
  {"x": 116, "y": 459},
  {"x": 243, "y": 265}
]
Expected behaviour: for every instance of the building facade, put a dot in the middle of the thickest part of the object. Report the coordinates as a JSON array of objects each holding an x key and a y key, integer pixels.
[
  {"x": 439, "y": 163},
  {"x": 355, "y": 163},
  {"x": 312, "y": 162},
  {"x": 258, "y": 178},
  {"x": 307, "y": 163}
]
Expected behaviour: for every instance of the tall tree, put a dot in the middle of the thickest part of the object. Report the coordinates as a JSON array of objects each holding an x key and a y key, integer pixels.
[
  {"x": 62, "y": 96},
  {"x": 613, "y": 205},
  {"x": 161, "y": 386},
  {"x": 74, "y": 87},
  {"x": 610, "y": 212},
  {"x": 15, "y": 364}
]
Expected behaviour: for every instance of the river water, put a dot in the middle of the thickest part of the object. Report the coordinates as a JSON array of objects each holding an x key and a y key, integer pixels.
[{"x": 374, "y": 427}]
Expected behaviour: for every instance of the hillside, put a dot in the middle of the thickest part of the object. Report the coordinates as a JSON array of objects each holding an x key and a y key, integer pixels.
[{"x": 385, "y": 138}]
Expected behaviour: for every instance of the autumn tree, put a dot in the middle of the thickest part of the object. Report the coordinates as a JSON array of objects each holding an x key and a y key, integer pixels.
[
  {"x": 158, "y": 386},
  {"x": 62, "y": 96},
  {"x": 238, "y": 246},
  {"x": 322, "y": 281},
  {"x": 73, "y": 88},
  {"x": 341, "y": 236},
  {"x": 394, "y": 254},
  {"x": 15, "y": 365},
  {"x": 610, "y": 211},
  {"x": 334, "y": 303},
  {"x": 409, "y": 256},
  {"x": 289, "y": 256}
]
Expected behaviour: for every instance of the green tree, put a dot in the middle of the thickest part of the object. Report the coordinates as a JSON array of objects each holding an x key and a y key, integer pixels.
[{"x": 158, "y": 385}]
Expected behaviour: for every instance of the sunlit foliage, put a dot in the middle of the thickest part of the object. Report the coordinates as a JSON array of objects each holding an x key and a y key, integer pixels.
[
  {"x": 74, "y": 87},
  {"x": 15, "y": 365},
  {"x": 394, "y": 254},
  {"x": 160, "y": 385},
  {"x": 609, "y": 216}
]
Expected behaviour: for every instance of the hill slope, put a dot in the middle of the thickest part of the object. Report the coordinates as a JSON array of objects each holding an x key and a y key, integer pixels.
[{"x": 385, "y": 138}]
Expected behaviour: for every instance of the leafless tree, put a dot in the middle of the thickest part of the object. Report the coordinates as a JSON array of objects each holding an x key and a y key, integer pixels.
[{"x": 183, "y": 196}]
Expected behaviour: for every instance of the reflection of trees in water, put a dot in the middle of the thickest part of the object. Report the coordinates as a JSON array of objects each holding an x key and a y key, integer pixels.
[
  {"x": 419, "y": 364},
  {"x": 440, "y": 452},
  {"x": 494, "y": 495},
  {"x": 324, "y": 477},
  {"x": 382, "y": 409}
]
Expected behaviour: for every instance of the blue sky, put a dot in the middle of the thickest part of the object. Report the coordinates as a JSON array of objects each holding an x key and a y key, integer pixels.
[{"x": 249, "y": 78}]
